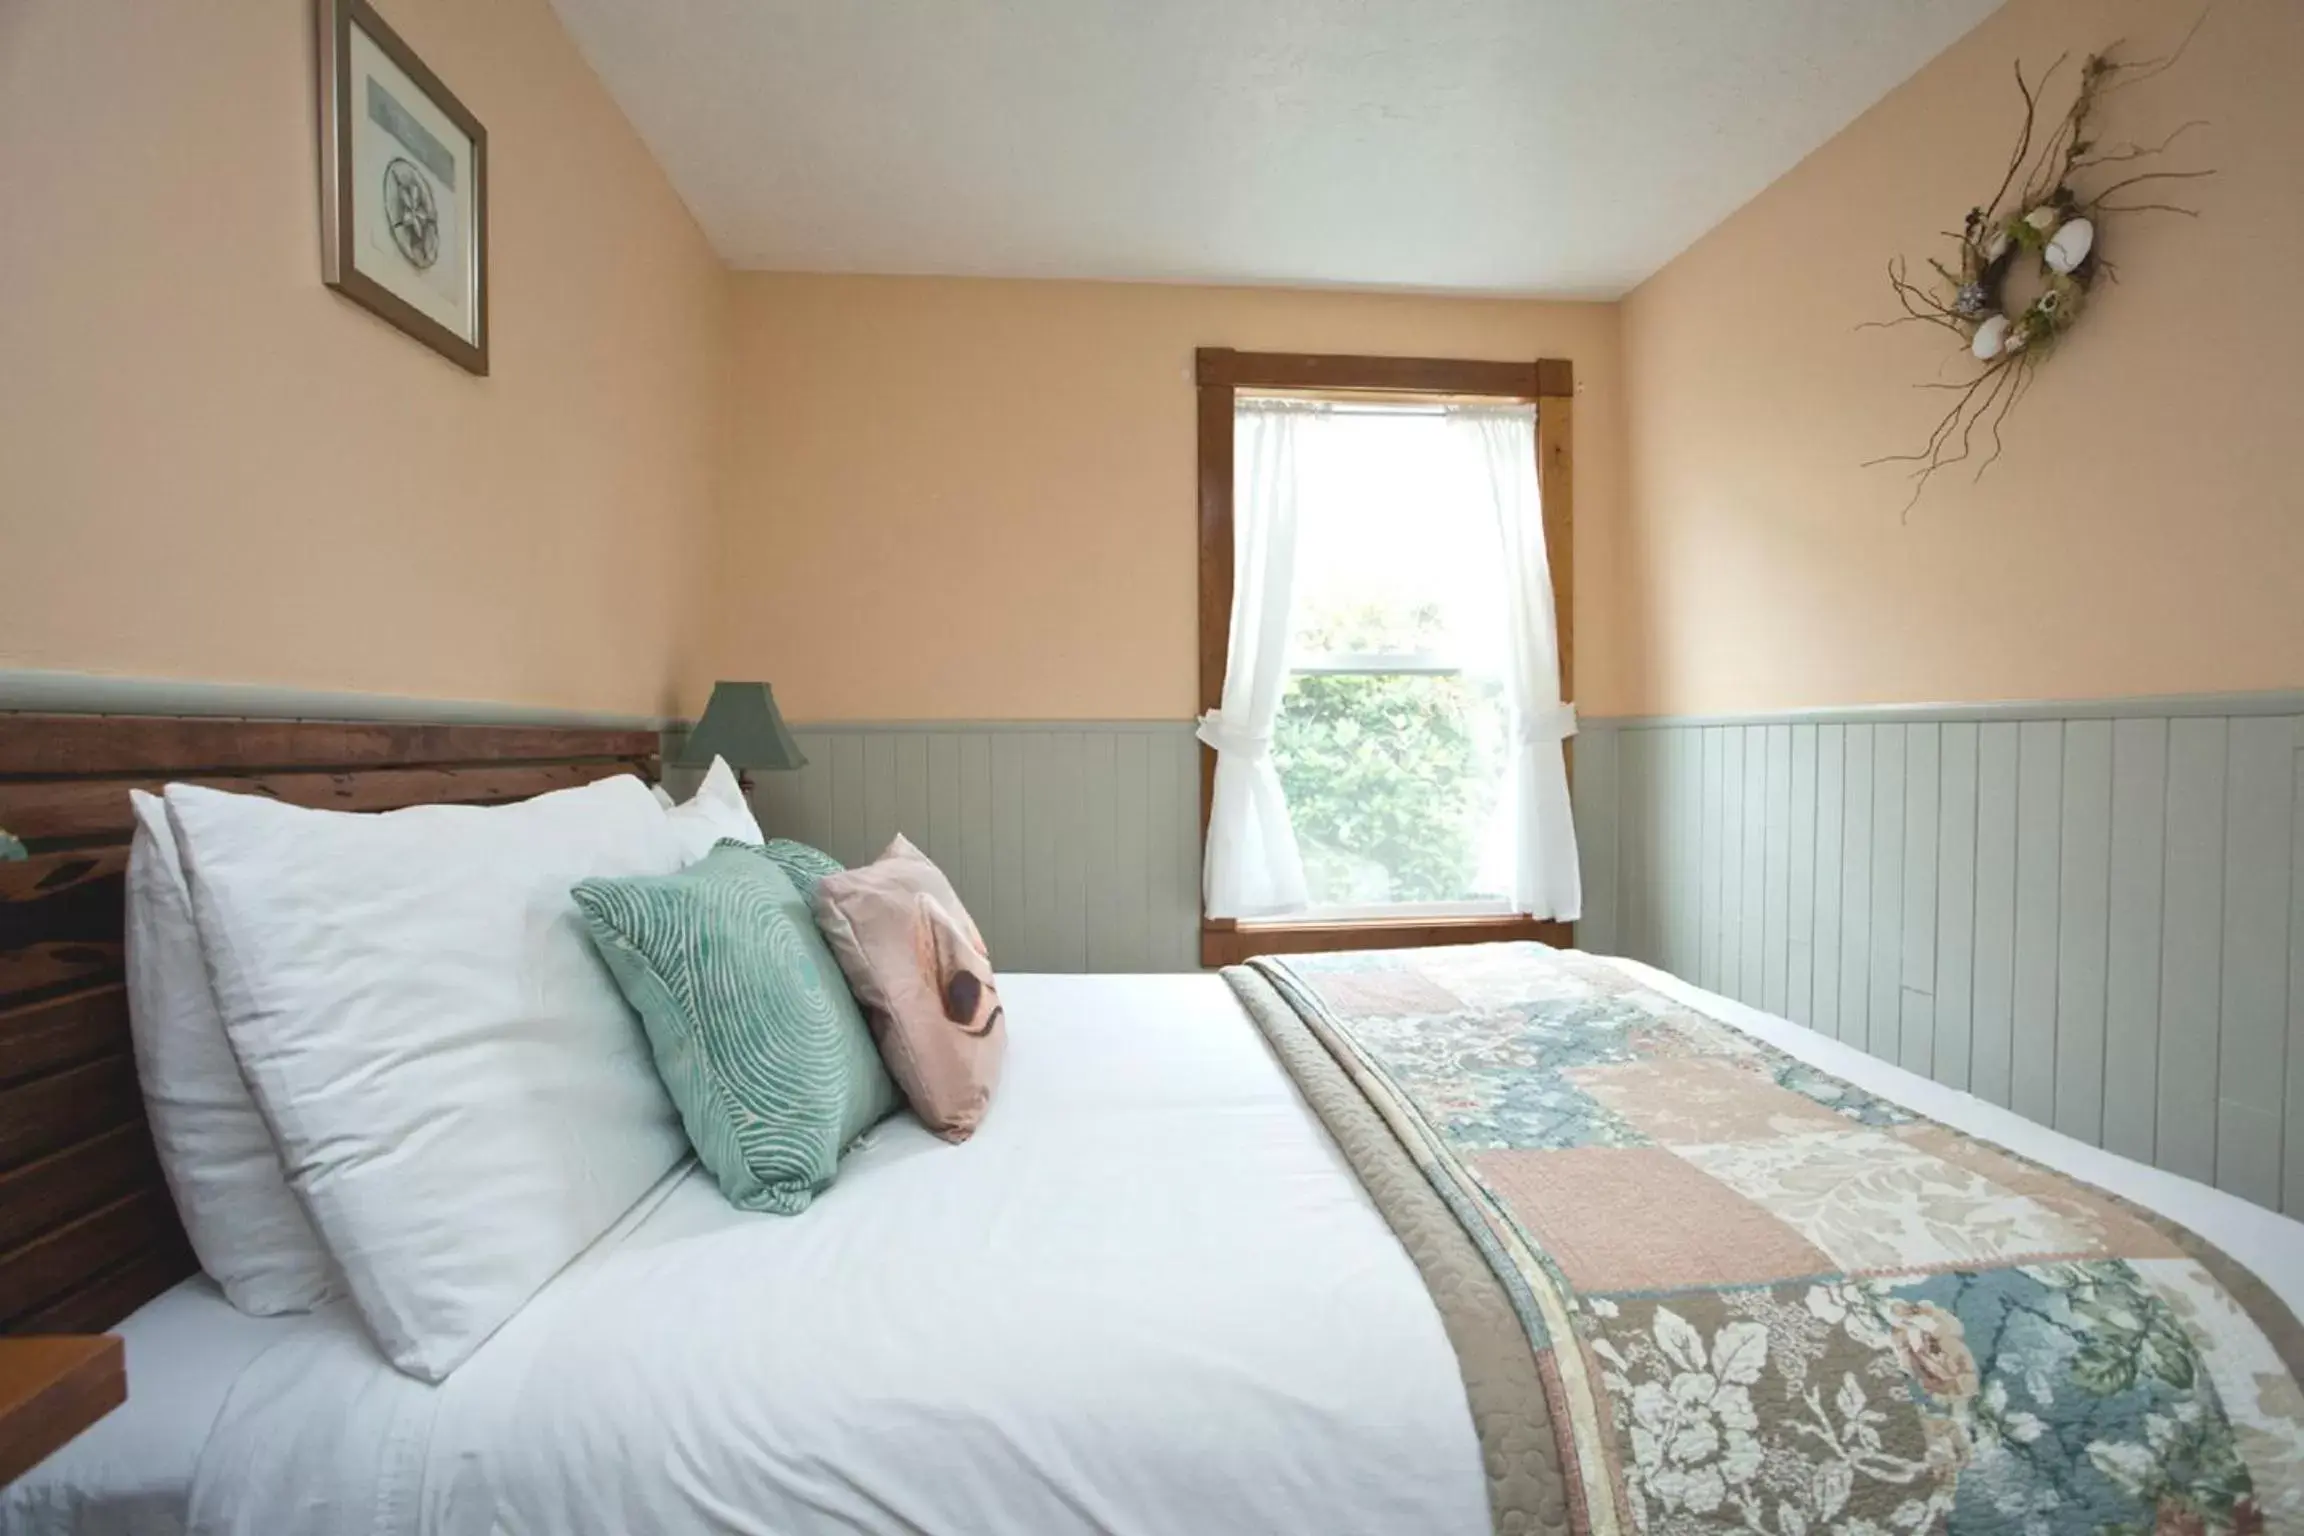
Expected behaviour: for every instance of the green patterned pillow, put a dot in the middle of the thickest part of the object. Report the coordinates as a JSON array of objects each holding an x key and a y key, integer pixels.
[
  {"x": 753, "y": 1028},
  {"x": 805, "y": 865}
]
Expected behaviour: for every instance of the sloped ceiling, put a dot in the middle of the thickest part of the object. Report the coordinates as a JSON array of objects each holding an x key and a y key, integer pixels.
[{"x": 1558, "y": 147}]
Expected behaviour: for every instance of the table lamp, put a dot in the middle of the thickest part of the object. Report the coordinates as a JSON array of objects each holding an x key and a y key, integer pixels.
[{"x": 741, "y": 724}]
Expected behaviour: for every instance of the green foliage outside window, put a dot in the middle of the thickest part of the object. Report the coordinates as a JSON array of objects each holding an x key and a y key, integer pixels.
[{"x": 1388, "y": 780}]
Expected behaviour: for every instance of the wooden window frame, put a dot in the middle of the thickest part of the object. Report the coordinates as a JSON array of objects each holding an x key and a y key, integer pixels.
[{"x": 1221, "y": 373}]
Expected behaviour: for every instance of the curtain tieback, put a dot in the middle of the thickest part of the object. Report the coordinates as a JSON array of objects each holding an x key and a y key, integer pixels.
[
  {"x": 1547, "y": 727},
  {"x": 1220, "y": 733}
]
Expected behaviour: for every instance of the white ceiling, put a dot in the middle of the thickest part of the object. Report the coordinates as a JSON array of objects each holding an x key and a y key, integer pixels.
[{"x": 1565, "y": 147}]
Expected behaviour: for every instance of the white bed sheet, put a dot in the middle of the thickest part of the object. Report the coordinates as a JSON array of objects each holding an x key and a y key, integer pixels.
[
  {"x": 1147, "y": 1296},
  {"x": 131, "y": 1474}
]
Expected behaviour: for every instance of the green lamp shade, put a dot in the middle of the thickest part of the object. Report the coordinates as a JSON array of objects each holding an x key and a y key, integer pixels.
[{"x": 742, "y": 725}]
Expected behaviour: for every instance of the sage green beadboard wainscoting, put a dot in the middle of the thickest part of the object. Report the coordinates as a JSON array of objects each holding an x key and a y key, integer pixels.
[
  {"x": 1074, "y": 843},
  {"x": 2090, "y": 913}
]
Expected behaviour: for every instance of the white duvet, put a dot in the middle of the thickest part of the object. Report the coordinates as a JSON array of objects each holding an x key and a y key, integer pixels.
[{"x": 1149, "y": 1295}]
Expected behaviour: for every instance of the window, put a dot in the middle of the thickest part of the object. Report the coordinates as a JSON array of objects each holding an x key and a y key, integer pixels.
[
  {"x": 1394, "y": 735},
  {"x": 1391, "y": 737}
]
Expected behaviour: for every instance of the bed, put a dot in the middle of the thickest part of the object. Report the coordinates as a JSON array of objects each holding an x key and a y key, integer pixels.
[{"x": 1176, "y": 1282}]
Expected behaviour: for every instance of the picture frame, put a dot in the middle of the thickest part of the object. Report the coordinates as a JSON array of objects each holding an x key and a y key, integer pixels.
[{"x": 404, "y": 186}]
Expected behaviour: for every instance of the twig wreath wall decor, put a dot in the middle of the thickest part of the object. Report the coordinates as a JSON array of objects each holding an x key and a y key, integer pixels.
[{"x": 2043, "y": 224}]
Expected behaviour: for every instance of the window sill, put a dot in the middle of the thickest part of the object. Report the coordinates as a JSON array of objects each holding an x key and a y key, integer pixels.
[
  {"x": 1228, "y": 943},
  {"x": 1409, "y": 913}
]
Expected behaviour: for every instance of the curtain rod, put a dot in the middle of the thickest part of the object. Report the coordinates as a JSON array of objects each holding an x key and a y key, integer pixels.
[{"x": 1373, "y": 403}]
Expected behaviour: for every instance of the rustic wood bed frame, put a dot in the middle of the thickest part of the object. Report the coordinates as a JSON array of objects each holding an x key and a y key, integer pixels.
[{"x": 87, "y": 1229}]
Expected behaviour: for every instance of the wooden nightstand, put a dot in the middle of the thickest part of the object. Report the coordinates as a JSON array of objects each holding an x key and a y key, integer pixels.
[{"x": 51, "y": 1388}]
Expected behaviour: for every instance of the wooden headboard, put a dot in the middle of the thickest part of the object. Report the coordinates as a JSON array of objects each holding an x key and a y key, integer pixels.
[{"x": 87, "y": 1230}]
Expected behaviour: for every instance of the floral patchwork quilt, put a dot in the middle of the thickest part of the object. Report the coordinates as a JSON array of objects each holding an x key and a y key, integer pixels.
[{"x": 1765, "y": 1301}]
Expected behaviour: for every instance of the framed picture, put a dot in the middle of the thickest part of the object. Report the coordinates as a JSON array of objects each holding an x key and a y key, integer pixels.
[{"x": 404, "y": 187}]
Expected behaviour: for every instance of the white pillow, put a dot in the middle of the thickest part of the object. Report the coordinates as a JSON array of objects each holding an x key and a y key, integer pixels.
[
  {"x": 460, "y": 1095},
  {"x": 250, "y": 1235},
  {"x": 715, "y": 811}
]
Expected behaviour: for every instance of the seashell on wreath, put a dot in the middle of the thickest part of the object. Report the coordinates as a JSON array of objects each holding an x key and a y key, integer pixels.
[
  {"x": 2069, "y": 246},
  {"x": 1991, "y": 338}
]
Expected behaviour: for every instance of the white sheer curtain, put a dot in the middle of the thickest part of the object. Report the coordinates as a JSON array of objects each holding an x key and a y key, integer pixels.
[
  {"x": 1545, "y": 878},
  {"x": 1252, "y": 868}
]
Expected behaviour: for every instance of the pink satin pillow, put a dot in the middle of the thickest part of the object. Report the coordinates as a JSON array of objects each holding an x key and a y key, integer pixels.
[{"x": 915, "y": 961}]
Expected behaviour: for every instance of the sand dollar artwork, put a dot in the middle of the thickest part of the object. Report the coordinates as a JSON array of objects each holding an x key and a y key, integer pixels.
[
  {"x": 403, "y": 184},
  {"x": 411, "y": 214}
]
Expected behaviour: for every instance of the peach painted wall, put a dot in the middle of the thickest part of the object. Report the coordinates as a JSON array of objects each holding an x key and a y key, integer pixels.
[
  {"x": 211, "y": 467},
  {"x": 2143, "y": 532},
  {"x": 965, "y": 499}
]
